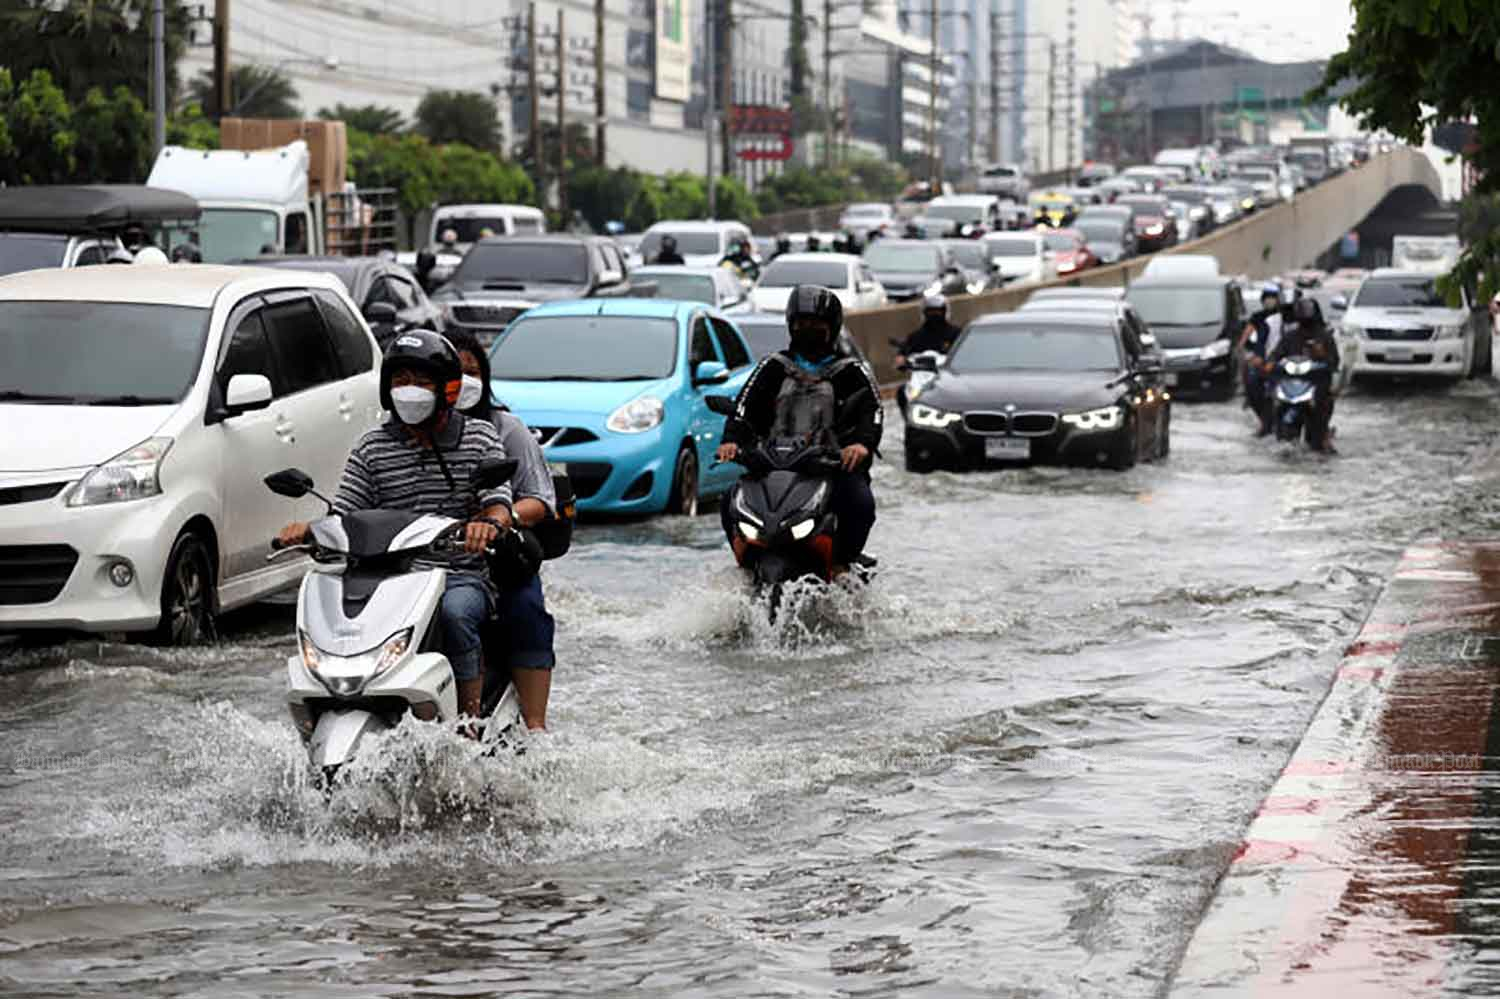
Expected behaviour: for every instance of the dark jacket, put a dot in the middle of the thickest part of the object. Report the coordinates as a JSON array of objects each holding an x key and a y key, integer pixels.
[
  {"x": 755, "y": 409},
  {"x": 1316, "y": 342},
  {"x": 745, "y": 262},
  {"x": 669, "y": 257},
  {"x": 938, "y": 336}
]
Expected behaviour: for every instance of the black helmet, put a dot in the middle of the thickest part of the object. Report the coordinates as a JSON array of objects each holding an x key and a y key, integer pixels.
[
  {"x": 783, "y": 242},
  {"x": 669, "y": 242},
  {"x": 1306, "y": 310},
  {"x": 810, "y": 301},
  {"x": 427, "y": 352},
  {"x": 814, "y": 244}
]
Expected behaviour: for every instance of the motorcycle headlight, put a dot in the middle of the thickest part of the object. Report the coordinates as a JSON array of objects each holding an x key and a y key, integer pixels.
[
  {"x": 370, "y": 663},
  {"x": 637, "y": 416},
  {"x": 975, "y": 287},
  {"x": 932, "y": 289},
  {"x": 931, "y": 416},
  {"x": 802, "y": 529},
  {"x": 744, "y": 511},
  {"x": 749, "y": 530},
  {"x": 130, "y": 475},
  {"x": 1218, "y": 348},
  {"x": 1108, "y": 418}
]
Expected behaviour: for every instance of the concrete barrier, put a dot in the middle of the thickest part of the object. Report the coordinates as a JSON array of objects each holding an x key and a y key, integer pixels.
[{"x": 1286, "y": 236}]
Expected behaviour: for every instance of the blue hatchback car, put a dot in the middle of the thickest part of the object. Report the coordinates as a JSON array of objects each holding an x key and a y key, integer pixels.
[{"x": 614, "y": 389}]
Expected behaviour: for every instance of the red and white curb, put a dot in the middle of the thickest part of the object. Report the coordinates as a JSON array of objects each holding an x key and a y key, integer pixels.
[{"x": 1336, "y": 888}]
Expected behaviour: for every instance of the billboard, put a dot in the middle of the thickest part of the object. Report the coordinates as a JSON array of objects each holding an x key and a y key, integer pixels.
[{"x": 674, "y": 50}]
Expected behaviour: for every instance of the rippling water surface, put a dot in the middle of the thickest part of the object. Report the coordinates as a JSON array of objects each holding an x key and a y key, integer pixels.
[{"x": 1013, "y": 766}]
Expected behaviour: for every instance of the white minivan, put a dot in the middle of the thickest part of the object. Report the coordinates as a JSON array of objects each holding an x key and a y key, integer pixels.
[{"x": 143, "y": 407}]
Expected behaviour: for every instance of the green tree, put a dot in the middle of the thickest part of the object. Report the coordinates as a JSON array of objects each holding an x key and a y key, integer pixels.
[
  {"x": 254, "y": 92},
  {"x": 39, "y": 123},
  {"x": 1418, "y": 63},
  {"x": 371, "y": 118},
  {"x": 112, "y": 138},
  {"x": 190, "y": 127},
  {"x": 465, "y": 116},
  {"x": 468, "y": 174},
  {"x": 86, "y": 44}
]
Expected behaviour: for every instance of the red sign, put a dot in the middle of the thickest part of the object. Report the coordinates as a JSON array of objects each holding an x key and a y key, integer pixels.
[
  {"x": 759, "y": 119},
  {"x": 782, "y": 152}
]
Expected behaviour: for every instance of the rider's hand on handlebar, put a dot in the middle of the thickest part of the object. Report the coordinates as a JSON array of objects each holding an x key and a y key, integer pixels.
[
  {"x": 292, "y": 534},
  {"x": 854, "y": 455},
  {"x": 727, "y": 452},
  {"x": 478, "y": 535}
]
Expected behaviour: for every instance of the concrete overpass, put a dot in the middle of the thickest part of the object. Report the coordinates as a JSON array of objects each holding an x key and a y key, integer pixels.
[{"x": 1290, "y": 235}]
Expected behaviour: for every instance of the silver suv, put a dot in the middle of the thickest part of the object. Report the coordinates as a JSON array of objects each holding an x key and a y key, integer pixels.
[{"x": 1005, "y": 180}]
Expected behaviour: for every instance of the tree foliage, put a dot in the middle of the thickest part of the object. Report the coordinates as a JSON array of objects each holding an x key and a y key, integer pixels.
[
  {"x": 1418, "y": 63},
  {"x": 371, "y": 118},
  {"x": 192, "y": 128},
  {"x": 862, "y": 178},
  {"x": 88, "y": 44},
  {"x": 254, "y": 92},
  {"x": 465, "y": 116},
  {"x": 105, "y": 138}
]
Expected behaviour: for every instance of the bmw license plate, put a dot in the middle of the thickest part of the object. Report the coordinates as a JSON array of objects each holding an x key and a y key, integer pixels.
[{"x": 1007, "y": 448}]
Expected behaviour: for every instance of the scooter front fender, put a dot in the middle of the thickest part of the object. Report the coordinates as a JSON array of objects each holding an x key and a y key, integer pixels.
[
  {"x": 424, "y": 677},
  {"x": 338, "y": 735}
]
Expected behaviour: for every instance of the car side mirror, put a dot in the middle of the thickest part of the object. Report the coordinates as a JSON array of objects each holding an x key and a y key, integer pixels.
[
  {"x": 608, "y": 278},
  {"x": 246, "y": 392},
  {"x": 721, "y": 404},
  {"x": 922, "y": 362},
  {"x": 710, "y": 373},
  {"x": 380, "y": 313},
  {"x": 492, "y": 473},
  {"x": 293, "y": 483},
  {"x": 1339, "y": 302}
]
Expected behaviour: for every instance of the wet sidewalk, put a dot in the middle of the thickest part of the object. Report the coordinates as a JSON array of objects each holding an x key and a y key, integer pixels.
[{"x": 1372, "y": 868}]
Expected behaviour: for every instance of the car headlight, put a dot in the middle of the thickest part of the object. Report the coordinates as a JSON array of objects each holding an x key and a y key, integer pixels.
[
  {"x": 1447, "y": 332},
  {"x": 1218, "y": 348},
  {"x": 1155, "y": 230},
  {"x": 1064, "y": 266},
  {"x": 1108, "y": 418},
  {"x": 130, "y": 475},
  {"x": 975, "y": 287},
  {"x": 933, "y": 289},
  {"x": 1197, "y": 212},
  {"x": 1247, "y": 203},
  {"x": 930, "y": 416},
  {"x": 802, "y": 529},
  {"x": 637, "y": 416},
  {"x": 1353, "y": 329},
  {"x": 370, "y": 663}
]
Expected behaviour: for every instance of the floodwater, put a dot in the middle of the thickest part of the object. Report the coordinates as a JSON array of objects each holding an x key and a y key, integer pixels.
[{"x": 1013, "y": 766}]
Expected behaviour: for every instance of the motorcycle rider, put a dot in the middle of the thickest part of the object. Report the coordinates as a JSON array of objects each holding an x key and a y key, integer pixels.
[
  {"x": 741, "y": 255},
  {"x": 668, "y": 253},
  {"x": 1312, "y": 338},
  {"x": 783, "y": 245},
  {"x": 935, "y": 333},
  {"x": 1262, "y": 334},
  {"x": 421, "y": 460},
  {"x": 528, "y": 628},
  {"x": 814, "y": 318}
]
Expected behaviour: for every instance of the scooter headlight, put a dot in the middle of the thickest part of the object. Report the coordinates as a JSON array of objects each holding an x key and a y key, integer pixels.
[
  {"x": 749, "y": 530},
  {"x": 802, "y": 529},
  {"x": 370, "y": 663}
]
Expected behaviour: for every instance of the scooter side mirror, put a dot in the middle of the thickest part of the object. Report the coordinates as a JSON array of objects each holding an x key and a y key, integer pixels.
[
  {"x": 922, "y": 362},
  {"x": 492, "y": 473},
  {"x": 721, "y": 404},
  {"x": 292, "y": 483}
]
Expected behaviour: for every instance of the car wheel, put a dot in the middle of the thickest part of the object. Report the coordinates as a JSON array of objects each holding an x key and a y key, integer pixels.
[
  {"x": 917, "y": 465},
  {"x": 187, "y": 594},
  {"x": 684, "y": 498},
  {"x": 1124, "y": 454}
]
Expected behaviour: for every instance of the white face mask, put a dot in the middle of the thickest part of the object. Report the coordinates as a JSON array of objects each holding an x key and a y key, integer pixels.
[
  {"x": 413, "y": 404},
  {"x": 471, "y": 393}
]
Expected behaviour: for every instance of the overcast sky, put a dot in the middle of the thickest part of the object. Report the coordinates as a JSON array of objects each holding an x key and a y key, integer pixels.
[{"x": 1275, "y": 30}]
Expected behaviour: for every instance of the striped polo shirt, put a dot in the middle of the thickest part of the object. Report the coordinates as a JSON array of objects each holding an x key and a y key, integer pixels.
[{"x": 389, "y": 470}]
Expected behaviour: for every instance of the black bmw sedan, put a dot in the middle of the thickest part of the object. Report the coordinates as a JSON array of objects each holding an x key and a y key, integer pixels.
[{"x": 1040, "y": 387}]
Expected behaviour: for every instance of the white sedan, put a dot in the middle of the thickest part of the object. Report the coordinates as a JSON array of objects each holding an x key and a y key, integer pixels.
[
  {"x": 143, "y": 406},
  {"x": 716, "y": 286},
  {"x": 842, "y": 273}
]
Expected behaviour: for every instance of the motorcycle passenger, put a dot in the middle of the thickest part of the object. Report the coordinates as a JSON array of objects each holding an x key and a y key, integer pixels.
[
  {"x": 420, "y": 460},
  {"x": 527, "y": 628},
  {"x": 1262, "y": 334},
  {"x": 668, "y": 253},
  {"x": 772, "y": 395},
  {"x": 1312, "y": 338},
  {"x": 743, "y": 256}
]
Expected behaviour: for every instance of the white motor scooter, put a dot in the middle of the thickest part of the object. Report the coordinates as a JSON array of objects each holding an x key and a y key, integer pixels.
[{"x": 369, "y": 648}]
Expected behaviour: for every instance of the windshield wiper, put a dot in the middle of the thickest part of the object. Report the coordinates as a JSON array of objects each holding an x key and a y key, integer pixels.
[
  {"x": 21, "y": 395},
  {"x": 129, "y": 400}
]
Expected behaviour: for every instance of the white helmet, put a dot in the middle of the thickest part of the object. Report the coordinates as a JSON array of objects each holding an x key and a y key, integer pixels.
[
  {"x": 936, "y": 302},
  {"x": 150, "y": 256}
]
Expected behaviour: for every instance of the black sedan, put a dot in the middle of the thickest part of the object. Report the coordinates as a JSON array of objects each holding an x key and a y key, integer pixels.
[
  {"x": 387, "y": 294},
  {"x": 911, "y": 268},
  {"x": 1110, "y": 236},
  {"x": 1043, "y": 388}
]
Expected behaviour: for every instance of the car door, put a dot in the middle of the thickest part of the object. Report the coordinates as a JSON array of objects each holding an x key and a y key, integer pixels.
[
  {"x": 252, "y": 445},
  {"x": 322, "y": 412},
  {"x": 872, "y": 295},
  {"x": 359, "y": 365},
  {"x": 1148, "y": 404},
  {"x": 703, "y": 425},
  {"x": 736, "y": 357}
]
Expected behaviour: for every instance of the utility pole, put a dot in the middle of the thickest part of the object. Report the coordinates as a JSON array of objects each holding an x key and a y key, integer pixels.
[
  {"x": 1150, "y": 151},
  {"x": 535, "y": 133},
  {"x": 562, "y": 122},
  {"x": 1051, "y": 106},
  {"x": 159, "y": 73},
  {"x": 726, "y": 84},
  {"x": 828, "y": 83},
  {"x": 934, "y": 158},
  {"x": 995, "y": 86},
  {"x": 708, "y": 108},
  {"x": 601, "y": 108},
  {"x": 223, "y": 99},
  {"x": 1072, "y": 82}
]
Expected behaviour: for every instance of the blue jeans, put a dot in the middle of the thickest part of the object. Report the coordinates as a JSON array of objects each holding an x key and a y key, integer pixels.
[
  {"x": 524, "y": 632},
  {"x": 466, "y": 606}
]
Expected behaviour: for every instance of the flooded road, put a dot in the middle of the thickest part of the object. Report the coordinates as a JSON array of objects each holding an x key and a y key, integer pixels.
[{"x": 1014, "y": 766}]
